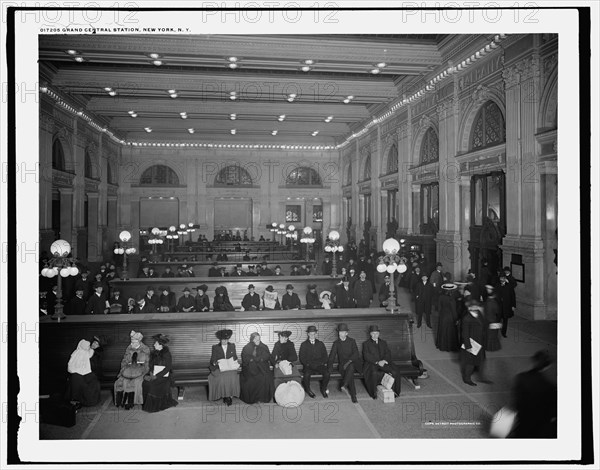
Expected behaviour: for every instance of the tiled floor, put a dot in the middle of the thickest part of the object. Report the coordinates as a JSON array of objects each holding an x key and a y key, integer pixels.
[{"x": 443, "y": 407}]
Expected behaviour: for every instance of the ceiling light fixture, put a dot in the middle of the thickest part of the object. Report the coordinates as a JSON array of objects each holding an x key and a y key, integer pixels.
[
  {"x": 183, "y": 115},
  {"x": 346, "y": 101},
  {"x": 233, "y": 65},
  {"x": 233, "y": 131},
  {"x": 375, "y": 71},
  {"x": 233, "y": 59},
  {"x": 173, "y": 95},
  {"x": 112, "y": 93},
  {"x": 154, "y": 55},
  {"x": 274, "y": 133},
  {"x": 233, "y": 116},
  {"x": 306, "y": 68},
  {"x": 381, "y": 65},
  {"x": 281, "y": 118},
  {"x": 71, "y": 52},
  {"x": 309, "y": 62},
  {"x": 158, "y": 63},
  {"x": 148, "y": 129},
  {"x": 134, "y": 115},
  {"x": 171, "y": 91},
  {"x": 191, "y": 130}
]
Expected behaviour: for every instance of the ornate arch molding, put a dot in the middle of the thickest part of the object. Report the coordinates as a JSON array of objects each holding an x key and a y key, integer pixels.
[
  {"x": 91, "y": 149},
  {"x": 145, "y": 165},
  {"x": 424, "y": 124},
  {"x": 63, "y": 136},
  {"x": 480, "y": 96},
  {"x": 547, "y": 112}
]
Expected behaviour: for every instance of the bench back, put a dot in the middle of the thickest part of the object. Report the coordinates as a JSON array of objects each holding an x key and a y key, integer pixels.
[
  {"x": 237, "y": 288},
  {"x": 193, "y": 335},
  {"x": 201, "y": 268},
  {"x": 269, "y": 254}
]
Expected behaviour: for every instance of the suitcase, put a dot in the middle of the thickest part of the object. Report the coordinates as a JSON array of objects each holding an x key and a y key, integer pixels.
[{"x": 54, "y": 410}]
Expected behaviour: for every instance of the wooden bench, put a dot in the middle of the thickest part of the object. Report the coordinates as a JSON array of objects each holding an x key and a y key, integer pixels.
[
  {"x": 196, "y": 246},
  {"x": 237, "y": 287},
  {"x": 233, "y": 255},
  {"x": 192, "y": 336},
  {"x": 201, "y": 267}
]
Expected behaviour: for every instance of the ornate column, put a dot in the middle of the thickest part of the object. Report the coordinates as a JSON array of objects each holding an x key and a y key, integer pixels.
[
  {"x": 94, "y": 247},
  {"x": 112, "y": 220},
  {"x": 465, "y": 224},
  {"x": 66, "y": 215},
  {"x": 524, "y": 200}
]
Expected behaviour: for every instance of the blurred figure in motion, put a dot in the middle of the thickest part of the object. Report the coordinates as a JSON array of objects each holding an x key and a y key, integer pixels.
[{"x": 534, "y": 398}]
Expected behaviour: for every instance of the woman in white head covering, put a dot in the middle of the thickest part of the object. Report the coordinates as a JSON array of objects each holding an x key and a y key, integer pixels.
[
  {"x": 84, "y": 387},
  {"x": 134, "y": 365}
]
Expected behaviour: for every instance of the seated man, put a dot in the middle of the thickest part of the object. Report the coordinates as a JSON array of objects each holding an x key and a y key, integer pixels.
[
  {"x": 186, "y": 303},
  {"x": 251, "y": 271},
  {"x": 290, "y": 300},
  {"x": 238, "y": 271},
  {"x": 346, "y": 351},
  {"x": 251, "y": 300},
  {"x": 214, "y": 270},
  {"x": 168, "y": 272},
  {"x": 377, "y": 359},
  {"x": 295, "y": 270},
  {"x": 271, "y": 299},
  {"x": 265, "y": 271},
  {"x": 117, "y": 303},
  {"x": 313, "y": 356},
  {"x": 166, "y": 300}
]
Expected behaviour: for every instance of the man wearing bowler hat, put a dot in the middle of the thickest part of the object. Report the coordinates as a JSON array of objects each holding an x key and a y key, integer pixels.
[
  {"x": 186, "y": 302},
  {"x": 290, "y": 300},
  {"x": 313, "y": 356},
  {"x": 377, "y": 359},
  {"x": 201, "y": 299},
  {"x": 97, "y": 303},
  {"x": 251, "y": 300},
  {"x": 346, "y": 351},
  {"x": 166, "y": 300},
  {"x": 143, "y": 305}
]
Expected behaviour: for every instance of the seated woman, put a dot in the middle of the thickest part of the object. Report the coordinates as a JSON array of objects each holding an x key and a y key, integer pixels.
[
  {"x": 84, "y": 387},
  {"x": 166, "y": 300},
  {"x": 256, "y": 382},
  {"x": 223, "y": 384},
  {"x": 156, "y": 387},
  {"x": 312, "y": 298},
  {"x": 222, "y": 302},
  {"x": 134, "y": 365},
  {"x": 325, "y": 298},
  {"x": 271, "y": 299},
  {"x": 284, "y": 350}
]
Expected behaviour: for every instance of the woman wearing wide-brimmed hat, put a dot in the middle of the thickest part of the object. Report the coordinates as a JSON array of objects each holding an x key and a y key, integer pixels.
[
  {"x": 134, "y": 365},
  {"x": 223, "y": 383},
  {"x": 283, "y": 358},
  {"x": 446, "y": 338},
  {"x": 157, "y": 383}
]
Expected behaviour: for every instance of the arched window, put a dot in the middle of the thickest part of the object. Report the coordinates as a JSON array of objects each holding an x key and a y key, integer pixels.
[
  {"x": 88, "y": 165},
  {"x": 303, "y": 176},
  {"x": 159, "y": 175},
  {"x": 349, "y": 174},
  {"x": 233, "y": 175},
  {"x": 58, "y": 156},
  {"x": 430, "y": 148},
  {"x": 367, "y": 172},
  {"x": 392, "y": 160},
  {"x": 488, "y": 127},
  {"x": 109, "y": 175}
]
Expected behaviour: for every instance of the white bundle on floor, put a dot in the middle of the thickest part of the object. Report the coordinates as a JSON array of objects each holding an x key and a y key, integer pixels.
[{"x": 289, "y": 394}]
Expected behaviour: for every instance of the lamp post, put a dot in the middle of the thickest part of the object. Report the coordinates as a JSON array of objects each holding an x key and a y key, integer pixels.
[
  {"x": 61, "y": 265},
  {"x": 333, "y": 246},
  {"x": 391, "y": 263},
  {"x": 291, "y": 235},
  {"x": 171, "y": 236},
  {"x": 181, "y": 232},
  {"x": 273, "y": 229},
  {"x": 125, "y": 249},
  {"x": 308, "y": 239},
  {"x": 282, "y": 232},
  {"x": 191, "y": 228}
]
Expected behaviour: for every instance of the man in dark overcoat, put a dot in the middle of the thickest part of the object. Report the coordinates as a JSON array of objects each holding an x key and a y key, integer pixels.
[
  {"x": 313, "y": 356},
  {"x": 472, "y": 353},
  {"x": 508, "y": 302},
  {"x": 377, "y": 361},
  {"x": 345, "y": 350},
  {"x": 423, "y": 299},
  {"x": 363, "y": 291}
]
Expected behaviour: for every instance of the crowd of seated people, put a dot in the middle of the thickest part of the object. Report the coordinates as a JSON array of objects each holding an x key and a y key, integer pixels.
[{"x": 148, "y": 271}]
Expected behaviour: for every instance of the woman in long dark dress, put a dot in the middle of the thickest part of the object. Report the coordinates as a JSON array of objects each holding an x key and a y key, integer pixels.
[
  {"x": 284, "y": 350},
  {"x": 493, "y": 317},
  {"x": 222, "y": 302},
  {"x": 223, "y": 384},
  {"x": 446, "y": 338},
  {"x": 84, "y": 387},
  {"x": 157, "y": 383},
  {"x": 256, "y": 382}
]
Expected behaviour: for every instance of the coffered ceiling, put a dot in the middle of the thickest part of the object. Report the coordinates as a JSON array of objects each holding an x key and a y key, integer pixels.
[{"x": 137, "y": 83}]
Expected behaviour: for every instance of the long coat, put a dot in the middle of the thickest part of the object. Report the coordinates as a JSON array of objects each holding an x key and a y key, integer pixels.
[
  {"x": 96, "y": 304},
  {"x": 256, "y": 382},
  {"x": 373, "y": 353},
  {"x": 446, "y": 338},
  {"x": 289, "y": 302},
  {"x": 423, "y": 297},
  {"x": 506, "y": 297},
  {"x": 363, "y": 293},
  {"x": 283, "y": 352},
  {"x": 473, "y": 328},
  {"x": 202, "y": 303},
  {"x": 343, "y": 297},
  {"x": 313, "y": 355},
  {"x": 123, "y": 384},
  {"x": 250, "y": 301},
  {"x": 217, "y": 353},
  {"x": 346, "y": 351}
]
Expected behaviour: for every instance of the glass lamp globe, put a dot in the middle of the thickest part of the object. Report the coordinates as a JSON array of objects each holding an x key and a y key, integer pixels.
[
  {"x": 381, "y": 268},
  {"x": 64, "y": 272},
  {"x": 182, "y": 226},
  {"x": 307, "y": 230},
  {"x": 45, "y": 271},
  {"x": 274, "y": 224},
  {"x": 125, "y": 236},
  {"x": 73, "y": 271},
  {"x": 282, "y": 226},
  {"x": 60, "y": 248},
  {"x": 328, "y": 249},
  {"x": 391, "y": 246},
  {"x": 402, "y": 268},
  {"x": 340, "y": 248},
  {"x": 155, "y": 231},
  {"x": 291, "y": 228},
  {"x": 390, "y": 269},
  {"x": 191, "y": 225},
  {"x": 172, "y": 228},
  {"x": 334, "y": 235},
  {"x": 51, "y": 273}
]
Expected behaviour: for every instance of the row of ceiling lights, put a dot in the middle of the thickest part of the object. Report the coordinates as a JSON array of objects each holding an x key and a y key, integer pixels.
[
  {"x": 232, "y": 116},
  {"x": 232, "y": 62},
  {"x": 238, "y": 146}
]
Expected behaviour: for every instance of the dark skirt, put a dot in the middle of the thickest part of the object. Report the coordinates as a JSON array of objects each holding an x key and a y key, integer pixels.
[
  {"x": 256, "y": 384},
  {"x": 157, "y": 395},
  {"x": 446, "y": 338},
  {"x": 223, "y": 384},
  {"x": 493, "y": 340},
  {"x": 84, "y": 388}
]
